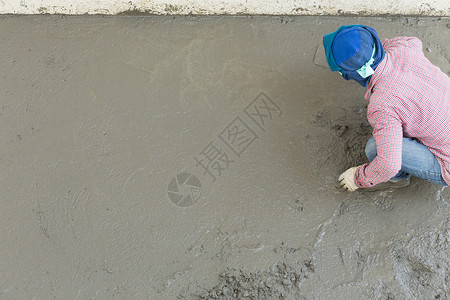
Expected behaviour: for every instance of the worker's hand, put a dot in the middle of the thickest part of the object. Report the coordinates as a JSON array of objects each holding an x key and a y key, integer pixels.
[{"x": 347, "y": 180}]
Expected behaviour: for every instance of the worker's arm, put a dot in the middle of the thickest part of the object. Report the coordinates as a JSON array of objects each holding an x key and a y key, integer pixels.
[{"x": 388, "y": 134}]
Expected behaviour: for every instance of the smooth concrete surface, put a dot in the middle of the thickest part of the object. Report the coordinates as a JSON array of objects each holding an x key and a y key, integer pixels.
[
  {"x": 196, "y": 158},
  {"x": 228, "y": 7}
]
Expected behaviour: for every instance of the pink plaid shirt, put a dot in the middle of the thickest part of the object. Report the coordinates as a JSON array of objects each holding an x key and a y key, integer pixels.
[{"x": 408, "y": 97}]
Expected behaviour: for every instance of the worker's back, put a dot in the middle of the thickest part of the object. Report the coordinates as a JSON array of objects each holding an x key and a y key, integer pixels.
[{"x": 407, "y": 85}]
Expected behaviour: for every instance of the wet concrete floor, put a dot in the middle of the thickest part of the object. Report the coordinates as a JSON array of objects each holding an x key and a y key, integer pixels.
[{"x": 196, "y": 158}]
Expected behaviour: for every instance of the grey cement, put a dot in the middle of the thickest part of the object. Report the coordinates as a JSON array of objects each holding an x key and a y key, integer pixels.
[{"x": 99, "y": 115}]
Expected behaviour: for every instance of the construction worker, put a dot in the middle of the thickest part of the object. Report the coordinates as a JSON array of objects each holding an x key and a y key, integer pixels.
[{"x": 409, "y": 108}]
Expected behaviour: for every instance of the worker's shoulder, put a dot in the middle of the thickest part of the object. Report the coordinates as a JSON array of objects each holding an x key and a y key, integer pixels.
[
  {"x": 402, "y": 42},
  {"x": 385, "y": 97}
]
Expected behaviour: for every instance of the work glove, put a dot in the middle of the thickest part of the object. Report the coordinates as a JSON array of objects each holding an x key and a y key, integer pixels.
[{"x": 347, "y": 180}]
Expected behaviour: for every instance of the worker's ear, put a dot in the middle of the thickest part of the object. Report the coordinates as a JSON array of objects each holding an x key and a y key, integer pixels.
[{"x": 345, "y": 75}]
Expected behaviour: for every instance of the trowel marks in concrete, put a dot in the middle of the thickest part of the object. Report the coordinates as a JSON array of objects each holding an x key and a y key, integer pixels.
[
  {"x": 320, "y": 58},
  {"x": 102, "y": 119}
]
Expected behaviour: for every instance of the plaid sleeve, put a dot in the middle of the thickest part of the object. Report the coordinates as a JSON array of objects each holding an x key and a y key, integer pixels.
[{"x": 388, "y": 133}]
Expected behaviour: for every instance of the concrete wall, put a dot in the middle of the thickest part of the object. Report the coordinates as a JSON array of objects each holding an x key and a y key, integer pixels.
[{"x": 206, "y": 7}]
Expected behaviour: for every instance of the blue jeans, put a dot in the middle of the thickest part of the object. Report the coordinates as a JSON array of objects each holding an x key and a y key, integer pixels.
[{"x": 417, "y": 161}]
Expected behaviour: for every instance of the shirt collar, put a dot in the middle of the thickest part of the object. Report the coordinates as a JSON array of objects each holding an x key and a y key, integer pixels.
[{"x": 379, "y": 71}]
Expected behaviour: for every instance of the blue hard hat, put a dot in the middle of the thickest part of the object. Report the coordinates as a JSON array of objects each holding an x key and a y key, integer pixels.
[{"x": 352, "y": 47}]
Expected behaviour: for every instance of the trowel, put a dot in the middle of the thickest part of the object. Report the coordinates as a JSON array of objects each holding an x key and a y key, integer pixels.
[{"x": 320, "y": 58}]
